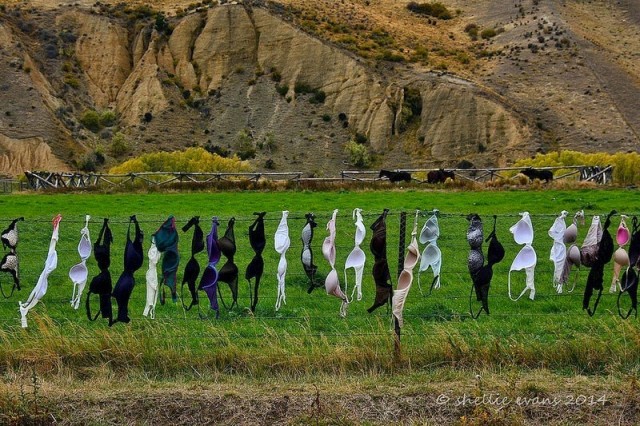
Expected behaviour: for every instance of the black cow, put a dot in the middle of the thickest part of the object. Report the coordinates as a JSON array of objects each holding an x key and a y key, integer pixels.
[
  {"x": 395, "y": 176},
  {"x": 531, "y": 173},
  {"x": 440, "y": 176}
]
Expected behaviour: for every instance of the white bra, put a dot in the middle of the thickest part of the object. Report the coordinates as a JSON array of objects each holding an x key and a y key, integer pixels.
[
  {"x": 406, "y": 276},
  {"x": 282, "y": 243},
  {"x": 357, "y": 257},
  {"x": 526, "y": 259},
  {"x": 79, "y": 272},
  {"x": 558, "y": 254},
  {"x": 332, "y": 283},
  {"x": 152, "y": 280},
  {"x": 50, "y": 265},
  {"x": 431, "y": 255}
]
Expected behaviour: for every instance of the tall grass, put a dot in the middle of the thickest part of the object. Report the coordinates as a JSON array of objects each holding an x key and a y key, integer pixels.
[{"x": 307, "y": 337}]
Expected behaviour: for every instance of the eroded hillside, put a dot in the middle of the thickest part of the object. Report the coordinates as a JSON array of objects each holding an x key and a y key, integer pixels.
[{"x": 289, "y": 83}]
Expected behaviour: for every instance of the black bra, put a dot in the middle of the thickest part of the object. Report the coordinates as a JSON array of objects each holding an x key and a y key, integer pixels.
[
  {"x": 101, "y": 283},
  {"x": 257, "y": 239},
  {"x": 192, "y": 269},
  {"x": 596, "y": 274},
  {"x": 133, "y": 259},
  {"x": 9, "y": 262},
  {"x": 229, "y": 271},
  {"x": 482, "y": 274},
  {"x": 381, "y": 274},
  {"x": 306, "y": 256}
]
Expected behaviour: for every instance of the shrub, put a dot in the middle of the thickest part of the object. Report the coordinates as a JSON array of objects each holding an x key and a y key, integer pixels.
[
  {"x": 119, "y": 145},
  {"x": 435, "y": 9},
  {"x": 488, "y": 33},
  {"x": 388, "y": 55},
  {"x": 107, "y": 118},
  {"x": 91, "y": 120},
  {"x": 71, "y": 81},
  {"x": 472, "y": 30},
  {"x": 189, "y": 160},
  {"x": 358, "y": 154},
  {"x": 282, "y": 90}
]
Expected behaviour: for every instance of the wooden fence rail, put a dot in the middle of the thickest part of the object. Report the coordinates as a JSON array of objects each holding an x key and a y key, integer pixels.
[{"x": 39, "y": 180}]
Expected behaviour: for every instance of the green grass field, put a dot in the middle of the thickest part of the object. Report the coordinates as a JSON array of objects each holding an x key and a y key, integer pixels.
[{"x": 307, "y": 338}]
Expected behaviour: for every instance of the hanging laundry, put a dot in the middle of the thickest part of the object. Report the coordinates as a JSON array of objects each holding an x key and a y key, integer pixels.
[
  {"x": 255, "y": 268},
  {"x": 357, "y": 257},
  {"x": 381, "y": 274},
  {"x": 572, "y": 257},
  {"x": 166, "y": 238},
  {"x": 152, "y": 280},
  {"x": 229, "y": 271},
  {"x": 526, "y": 259},
  {"x": 282, "y": 243},
  {"x": 101, "y": 283},
  {"x": 596, "y": 251},
  {"x": 481, "y": 274},
  {"x": 331, "y": 283},
  {"x": 620, "y": 256},
  {"x": 192, "y": 269},
  {"x": 79, "y": 272},
  {"x": 406, "y": 276},
  {"x": 558, "y": 254},
  {"x": 629, "y": 280},
  {"x": 9, "y": 262},
  {"x": 307, "y": 253},
  {"x": 431, "y": 255},
  {"x": 133, "y": 260},
  {"x": 209, "y": 280},
  {"x": 50, "y": 265}
]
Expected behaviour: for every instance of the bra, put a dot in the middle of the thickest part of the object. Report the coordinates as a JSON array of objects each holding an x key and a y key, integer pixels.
[
  {"x": 620, "y": 256},
  {"x": 79, "y": 272},
  {"x": 166, "y": 238},
  {"x": 558, "y": 253},
  {"x": 629, "y": 285},
  {"x": 101, "y": 283},
  {"x": 209, "y": 280},
  {"x": 151, "y": 278},
  {"x": 41, "y": 286},
  {"x": 9, "y": 262},
  {"x": 431, "y": 255},
  {"x": 257, "y": 239},
  {"x": 306, "y": 256},
  {"x": 603, "y": 254},
  {"x": 357, "y": 258},
  {"x": 526, "y": 259},
  {"x": 332, "y": 283},
  {"x": 406, "y": 276},
  {"x": 192, "y": 268},
  {"x": 133, "y": 259},
  {"x": 228, "y": 273},
  {"x": 281, "y": 244},
  {"x": 381, "y": 274},
  {"x": 481, "y": 274}
]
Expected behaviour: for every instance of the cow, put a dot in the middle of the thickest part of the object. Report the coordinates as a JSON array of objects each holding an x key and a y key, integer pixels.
[
  {"x": 395, "y": 176},
  {"x": 531, "y": 173},
  {"x": 440, "y": 176}
]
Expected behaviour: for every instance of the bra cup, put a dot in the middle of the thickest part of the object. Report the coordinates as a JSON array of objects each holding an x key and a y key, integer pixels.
[
  {"x": 355, "y": 259},
  {"x": 557, "y": 230},
  {"x": 430, "y": 231},
  {"x": 411, "y": 259},
  {"x": 495, "y": 253},
  {"x": 573, "y": 256},
  {"x": 361, "y": 232},
  {"x": 84, "y": 247},
  {"x": 475, "y": 260},
  {"x": 570, "y": 234},
  {"x": 475, "y": 237},
  {"x": 621, "y": 257},
  {"x": 78, "y": 273},
  {"x": 329, "y": 251},
  {"x": 306, "y": 257},
  {"x": 282, "y": 243},
  {"x": 404, "y": 280},
  {"x": 430, "y": 255},
  {"x": 523, "y": 231},
  {"x": 209, "y": 277},
  {"x": 526, "y": 258},
  {"x": 332, "y": 285},
  {"x": 622, "y": 236},
  {"x": 558, "y": 252}
]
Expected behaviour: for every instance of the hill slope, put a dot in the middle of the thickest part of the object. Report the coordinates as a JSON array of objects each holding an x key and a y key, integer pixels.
[{"x": 293, "y": 81}]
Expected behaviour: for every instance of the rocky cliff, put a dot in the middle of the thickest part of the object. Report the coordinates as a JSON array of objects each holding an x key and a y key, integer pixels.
[{"x": 237, "y": 79}]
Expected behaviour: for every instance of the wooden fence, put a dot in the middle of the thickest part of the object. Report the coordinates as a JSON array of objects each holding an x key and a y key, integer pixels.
[{"x": 39, "y": 180}]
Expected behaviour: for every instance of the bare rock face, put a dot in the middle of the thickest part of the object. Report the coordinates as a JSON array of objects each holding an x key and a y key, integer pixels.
[
  {"x": 18, "y": 155},
  {"x": 102, "y": 48},
  {"x": 233, "y": 69}
]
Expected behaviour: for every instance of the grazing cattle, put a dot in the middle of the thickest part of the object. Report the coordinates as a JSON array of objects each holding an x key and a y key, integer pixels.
[
  {"x": 531, "y": 173},
  {"x": 395, "y": 176},
  {"x": 440, "y": 176}
]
